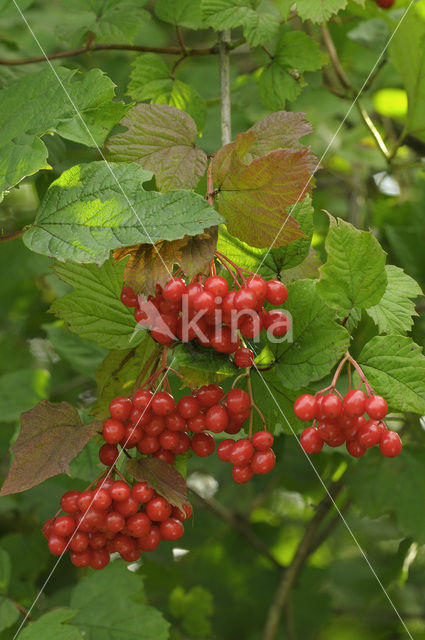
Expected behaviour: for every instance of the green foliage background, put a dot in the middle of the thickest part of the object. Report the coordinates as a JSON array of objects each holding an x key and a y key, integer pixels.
[{"x": 221, "y": 586}]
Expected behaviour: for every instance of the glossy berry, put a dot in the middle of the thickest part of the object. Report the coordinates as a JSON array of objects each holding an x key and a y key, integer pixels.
[
  {"x": 114, "y": 521},
  {"x": 127, "y": 507},
  {"x": 79, "y": 541},
  {"x": 171, "y": 529},
  {"x": 80, "y": 558},
  {"x": 210, "y": 395},
  {"x": 158, "y": 509},
  {"x": 57, "y": 544},
  {"x": 263, "y": 461},
  {"x": 99, "y": 558},
  {"x": 202, "y": 444},
  {"x": 217, "y": 285},
  {"x": 169, "y": 439},
  {"x": 242, "y": 473},
  {"x": 237, "y": 400},
  {"x": 331, "y": 406},
  {"x": 355, "y": 448},
  {"x": 128, "y": 297},
  {"x": 376, "y": 407},
  {"x": 138, "y": 525},
  {"x": 262, "y": 440},
  {"x": 328, "y": 430},
  {"x": 244, "y": 358},
  {"x": 244, "y": 299},
  {"x": 69, "y": 501},
  {"x": 64, "y": 526},
  {"x": 108, "y": 453},
  {"x": 217, "y": 418},
  {"x": 113, "y": 431},
  {"x": 163, "y": 403},
  {"x": 258, "y": 286},
  {"x": 276, "y": 293},
  {"x": 174, "y": 290},
  {"x": 188, "y": 406},
  {"x": 370, "y": 433},
  {"x": 224, "y": 449},
  {"x": 142, "y": 398},
  {"x": 142, "y": 492},
  {"x": 242, "y": 452},
  {"x": 305, "y": 407},
  {"x": 180, "y": 514},
  {"x": 311, "y": 441},
  {"x": 98, "y": 540},
  {"x": 120, "y": 408},
  {"x": 390, "y": 444},
  {"x": 120, "y": 491},
  {"x": 354, "y": 403},
  {"x": 151, "y": 541},
  {"x": 277, "y": 323}
]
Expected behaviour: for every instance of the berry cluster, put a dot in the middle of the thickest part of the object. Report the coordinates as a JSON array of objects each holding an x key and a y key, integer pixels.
[
  {"x": 207, "y": 311},
  {"x": 342, "y": 420},
  {"x": 248, "y": 456},
  {"x": 113, "y": 518},
  {"x": 155, "y": 424}
]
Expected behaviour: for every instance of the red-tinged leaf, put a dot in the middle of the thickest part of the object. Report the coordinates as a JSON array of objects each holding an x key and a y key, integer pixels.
[
  {"x": 51, "y": 436},
  {"x": 253, "y": 197},
  {"x": 149, "y": 265},
  {"x": 279, "y": 130},
  {"x": 161, "y": 139},
  {"x": 162, "y": 477}
]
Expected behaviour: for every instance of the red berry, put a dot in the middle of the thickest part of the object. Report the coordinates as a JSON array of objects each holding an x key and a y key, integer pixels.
[
  {"x": 224, "y": 449},
  {"x": 80, "y": 558},
  {"x": 355, "y": 448},
  {"x": 305, "y": 407},
  {"x": 151, "y": 541},
  {"x": 69, "y": 501},
  {"x": 217, "y": 285},
  {"x": 169, "y": 439},
  {"x": 174, "y": 289},
  {"x": 175, "y": 422},
  {"x": 132, "y": 436},
  {"x": 64, "y": 526},
  {"x": 192, "y": 291},
  {"x": 85, "y": 500},
  {"x": 183, "y": 444},
  {"x": 242, "y": 473},
  {"x": 188, "y": 406},
  {"x": 276, "y": 293},
  {"x": 277, "y": 323},
  {"x": 120, "y": 491},
  {"x": 197, "y": 423},
  {"x": 141, "y": 417},
  {"x": 376, "y": 407},
  {"x": 210, "y": 395},
  {"x": 242, "y": 452},
  {"x": 331, "y": 406},
  {"x": 123, "y": 543},
  {"x": 202, "y": 444},
  {"x": 204, "y": 301},
  {"x": 237, "y": 400},
  {"x": 148, "y": 444},
  {"x": 157, "y": 424},
  {"x": 142, "y": 398},
  {"x": 250, "y": 327},
  {"x": 131, "y": 556},
  {"x": 370, "y": 433},
  {"x": 233, "y": 427},
  {"x": 328, "y": 430},
  {"x": 165, "y": 455},
  {"x": 182, "y": 515},
  {"x": 385, "y": 4},
  {"x": 120, "y": 408},
  {"x": 263, "y": 461},
  {"x": 244, "y": 299},
  {"x": 108, "y": 453},
  {"x": 158, "y": 509},
  {"x": 354, "y": 403},
  {"x": 114, "y": 521},
  {"x": 311, "y": 441},
  {"x": 57, "y": 544},
  {"x": 337, "y": 440},
  {"x": 113, "y": 431},
  {"x": 262, "y": 440},
  {"x": 127, "y": 507},
  {"x": 142, "y": 492},
  {"x": 128, "y": 297},
  {"x": 79, "y": 541},
  {"x": 98, "y": 540},
  {"x": 223, "y": 341},
  {"x": 171, "y": 529},
  {"x": 217, "y": 418},
  {"x": 390, "y": 444},
  {"x": 138, "y": 525},
  {"x": 163, "y": 403},
  {"x": 244, "y": 358},
  {"x": 258, "y": 286},
  {"x": 93, "y": 519}
]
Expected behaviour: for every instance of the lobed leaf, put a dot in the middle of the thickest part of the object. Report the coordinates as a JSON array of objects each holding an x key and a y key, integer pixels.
[
  {"x": 51, "y": 435},
  {"x": 54, "y": 625},
  {"x": 319, "y": 10},
  {"x": 229, "y": 14},
  {"x": 183, "y": 13}
]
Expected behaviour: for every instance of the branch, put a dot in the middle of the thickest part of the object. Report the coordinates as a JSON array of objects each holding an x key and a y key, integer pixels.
[
  {"x": 174, "y": 51},
  {"x": 238, "y": 523},
  {"x": 11, "y": 236},
  {"x": 226, "y": 122},
  {"x": 301, "y": 554}
]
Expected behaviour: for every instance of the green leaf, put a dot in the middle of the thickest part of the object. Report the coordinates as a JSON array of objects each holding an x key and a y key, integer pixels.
[
  {"x": 119, "y": 372},
  {"x": 395, "y": 368},
  {"x": 162, "y": 140},
  {"x": 96, "y": 207},
  {"x": 51, "y": 435},
  {"x": 55, "y": 625},
  {"x": 162, "y": 477},
  {"x": 94, "y": 309},
  {"x": 201, "y": 366},
  {"x": 5, "y": 570},
  {"x": 407, "y": 54},
  {"x": 9, "y": 613},
  {"x": 20, "y": 390},
  {"x": 193, "y": 608},
  {"x": 395, "y": 310},
  {"x": 277, "y": 260},
  {"x": 228, "y": 14},
  {"x": 105, "y": 600},
  {"x": 319, "y": 10},
  {"x": 183, "y": 13},
  {"x": 318, "y": 341},
  {"x": 35, "y": 105},
  {"x": 253, "y": 197},
  {"x": 83, "y": 355},
  {"x": 294, "y": 50},
  {"x": 151, "y": 79},
  {"x": 354, "y": 274},
  {"x": 380, "y": 486},
  {"x": 114, "y": 21}
]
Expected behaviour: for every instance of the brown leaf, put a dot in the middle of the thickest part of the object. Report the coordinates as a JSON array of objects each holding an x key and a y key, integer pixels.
[
  {"x": 51, "y": 436},
  {"x": 253, "y": 197},
  {"x": 161, "y": 139},
  {"x": 162, "y": 477},
  {"x": 279, "y": 130},
  {"x": 149, "y": 265}
]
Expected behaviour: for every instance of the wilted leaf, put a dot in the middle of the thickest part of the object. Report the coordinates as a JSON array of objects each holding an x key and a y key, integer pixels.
[
  {"x": 161, "y": 139},
  {"x": 149, "y": 265},
  {"x": 162, "y": 477},
  {"x": 51, "y": 436}
]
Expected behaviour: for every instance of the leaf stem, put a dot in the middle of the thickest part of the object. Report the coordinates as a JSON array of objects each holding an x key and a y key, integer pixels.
[
  {"x": 251, "y": 396},
  {"x": 12, "y": 236}
]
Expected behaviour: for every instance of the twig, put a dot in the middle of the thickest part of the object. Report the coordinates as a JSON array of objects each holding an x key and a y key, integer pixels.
[
  {"x": 11, "y": 236},
  {"x": 180, "y": 39},
  {"x": 328, "y": 530},
  {"x": 226, "y": 126},
  {"x": 303, "y": 551},
  {"x": 238, "y": 523}
]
